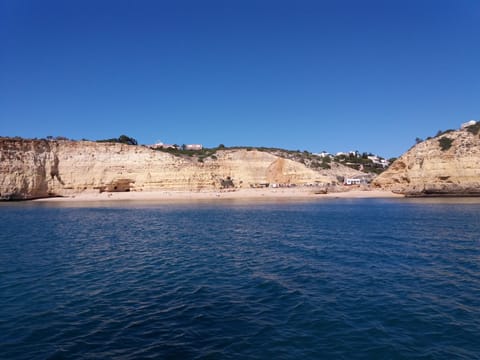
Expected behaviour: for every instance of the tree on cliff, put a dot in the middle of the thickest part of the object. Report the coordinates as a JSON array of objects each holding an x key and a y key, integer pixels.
[{"x": 122, "y": 139}]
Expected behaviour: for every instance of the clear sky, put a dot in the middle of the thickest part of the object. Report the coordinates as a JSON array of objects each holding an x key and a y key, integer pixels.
[{"x": 332, "y": 75}]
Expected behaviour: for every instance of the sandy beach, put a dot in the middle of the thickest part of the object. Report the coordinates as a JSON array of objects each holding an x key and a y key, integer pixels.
[{"x": 240, "y": 194}]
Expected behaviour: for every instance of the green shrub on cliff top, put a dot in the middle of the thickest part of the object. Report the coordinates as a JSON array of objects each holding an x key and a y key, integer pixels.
[
  {"x": 122, "y": 139},
  {"x": 474, "y": 129},
  {"x": 445, "y": 143},
  {"x": 440, "y": 132}
]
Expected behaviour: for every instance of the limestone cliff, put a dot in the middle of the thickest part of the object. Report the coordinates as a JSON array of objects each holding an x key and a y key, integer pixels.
[
  {"x": 41, "y": 168},
  {"x": 448, "y": 164}
]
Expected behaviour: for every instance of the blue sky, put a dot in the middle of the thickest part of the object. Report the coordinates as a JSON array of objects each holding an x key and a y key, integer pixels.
[{"x": 332, "y": 75}]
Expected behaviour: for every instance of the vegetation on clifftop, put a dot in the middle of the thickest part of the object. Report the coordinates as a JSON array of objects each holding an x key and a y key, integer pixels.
[
  {"x": 122, "y": 139},
  {"x": 445, "y": 143},
  {"x": 474, "y": 129},
  {"x": 355, "y": 161}
]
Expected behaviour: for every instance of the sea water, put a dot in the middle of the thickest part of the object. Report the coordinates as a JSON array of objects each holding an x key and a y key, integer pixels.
[{"x": 333, "y": 279}]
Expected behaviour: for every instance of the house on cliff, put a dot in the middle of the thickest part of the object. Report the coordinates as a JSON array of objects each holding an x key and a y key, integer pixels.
[
  {"x": 194, "y": 147},
  {"x": 467, "y": 124}
]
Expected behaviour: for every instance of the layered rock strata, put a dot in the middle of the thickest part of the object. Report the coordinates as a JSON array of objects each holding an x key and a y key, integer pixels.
[
  {"x": 40, "y": 168},
  {"x": 447, "y": 165}
]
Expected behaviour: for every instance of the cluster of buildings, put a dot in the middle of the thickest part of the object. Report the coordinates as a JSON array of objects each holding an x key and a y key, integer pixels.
[
  {"x": 191, "y": 147},
  {"x": 359, "y": 161},
  {"x": 376, "y": 160}
]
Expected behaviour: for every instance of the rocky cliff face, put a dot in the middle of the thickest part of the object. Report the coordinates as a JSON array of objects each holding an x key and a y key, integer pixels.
[
  {"x": 448, "y": 164},
  {"x": 40, "y": 168}
]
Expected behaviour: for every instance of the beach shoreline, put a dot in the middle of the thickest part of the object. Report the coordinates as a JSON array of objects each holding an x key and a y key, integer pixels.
[{"x": 238, "y": 194}]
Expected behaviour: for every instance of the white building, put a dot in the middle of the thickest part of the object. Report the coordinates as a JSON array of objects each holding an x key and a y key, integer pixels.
[
  {"x": 352, "y": 181},
  {"x": 323, "y": 154},
  {"x": 358, "y": 180},
  {"x": 379, "y": 161},
  {"x": 468, "y": 123},
  {"x": 161, "y": 145},
  {"x": 193, "y": 147}
]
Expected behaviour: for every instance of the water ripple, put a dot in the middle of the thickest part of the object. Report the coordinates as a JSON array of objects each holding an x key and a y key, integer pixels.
[{"x": 360, "y": 279}]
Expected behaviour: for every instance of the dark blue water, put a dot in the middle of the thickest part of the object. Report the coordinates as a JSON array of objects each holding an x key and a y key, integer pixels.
[{"x": 340, "y": 279}]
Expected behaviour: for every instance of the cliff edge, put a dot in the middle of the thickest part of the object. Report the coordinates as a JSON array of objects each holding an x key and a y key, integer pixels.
[{"x": 448, "y": 165}]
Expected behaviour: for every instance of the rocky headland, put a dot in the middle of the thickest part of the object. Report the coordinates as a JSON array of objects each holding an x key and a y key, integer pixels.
[
  {"x": 32, "y": 169},
  {"x": 446, "y": 165}
]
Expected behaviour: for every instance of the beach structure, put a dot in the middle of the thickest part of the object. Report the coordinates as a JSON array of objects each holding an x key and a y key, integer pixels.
[{"x": 357, "y": 180}]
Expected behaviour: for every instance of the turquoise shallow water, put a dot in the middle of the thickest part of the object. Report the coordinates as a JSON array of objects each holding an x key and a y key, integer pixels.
[{"x": 339, "y": 279}]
